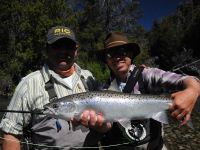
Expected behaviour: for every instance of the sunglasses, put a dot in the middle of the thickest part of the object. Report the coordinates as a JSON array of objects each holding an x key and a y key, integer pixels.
[
  {"x": 64, "y": 44},
  {"x": 118, "y": 52}
]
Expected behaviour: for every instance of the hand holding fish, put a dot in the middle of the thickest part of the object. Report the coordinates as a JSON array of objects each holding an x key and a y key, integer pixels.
[
  {"x": 90, "y": 119},
  {"x": 183, "y": 103}
]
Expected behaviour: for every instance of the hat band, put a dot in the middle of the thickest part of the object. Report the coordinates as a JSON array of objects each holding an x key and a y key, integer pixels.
[{"x": 116, "y": 42}]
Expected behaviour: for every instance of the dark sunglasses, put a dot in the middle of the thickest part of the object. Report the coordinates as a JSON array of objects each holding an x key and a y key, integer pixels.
[
  {"x": 118, "y": 52},
  {"x": 68, "y": 45}
]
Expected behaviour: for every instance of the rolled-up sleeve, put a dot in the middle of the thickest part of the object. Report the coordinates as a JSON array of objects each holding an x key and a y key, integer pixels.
[
  {"x": 160, "y": 81},
  {"x": 13, "y": 122}
]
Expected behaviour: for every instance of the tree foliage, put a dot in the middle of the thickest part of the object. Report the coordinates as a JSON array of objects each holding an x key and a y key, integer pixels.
[
  {"x": 177, "y": 35},
  {"x": 23, "y": 28},
  {"x": 24, "y": 24}
]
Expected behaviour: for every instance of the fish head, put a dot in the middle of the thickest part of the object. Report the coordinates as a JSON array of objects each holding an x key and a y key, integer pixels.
[{"x": 63, "y": 110}]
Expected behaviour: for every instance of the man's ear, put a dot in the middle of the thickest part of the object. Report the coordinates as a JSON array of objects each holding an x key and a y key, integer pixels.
[{"x": 76, "y": 53}]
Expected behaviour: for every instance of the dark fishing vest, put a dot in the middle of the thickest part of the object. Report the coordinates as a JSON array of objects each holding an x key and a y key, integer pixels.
[{"x": 143, "y": 134}]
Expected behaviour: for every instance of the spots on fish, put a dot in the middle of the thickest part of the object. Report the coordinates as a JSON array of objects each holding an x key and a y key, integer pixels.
[{"x": 104, "y": 95}]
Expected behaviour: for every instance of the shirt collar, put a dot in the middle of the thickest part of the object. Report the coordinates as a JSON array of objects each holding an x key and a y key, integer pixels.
[{"x": 46, "y": 73}]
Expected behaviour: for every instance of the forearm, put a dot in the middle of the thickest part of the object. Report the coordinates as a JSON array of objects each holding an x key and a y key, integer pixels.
[
  {"x": 192, "y": 84},
  {"x": 10, "y": 142}
]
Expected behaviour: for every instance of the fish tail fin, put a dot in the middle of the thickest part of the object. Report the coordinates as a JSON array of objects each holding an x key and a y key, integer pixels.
[
  {"x": 190, "y": 124},
  {"x": 164, "y": 118}
]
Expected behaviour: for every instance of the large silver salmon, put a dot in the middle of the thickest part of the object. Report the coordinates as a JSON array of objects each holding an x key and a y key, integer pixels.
[{"x": 115, "y": 106}]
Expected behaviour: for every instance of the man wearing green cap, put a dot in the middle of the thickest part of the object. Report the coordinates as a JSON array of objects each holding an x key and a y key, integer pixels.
[
  {"x": 146, "y": 134},
  {"x": 59, "y": 77}
]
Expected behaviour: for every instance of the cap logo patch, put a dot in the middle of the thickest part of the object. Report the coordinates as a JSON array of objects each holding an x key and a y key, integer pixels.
[{"x": 62, "y": 31}]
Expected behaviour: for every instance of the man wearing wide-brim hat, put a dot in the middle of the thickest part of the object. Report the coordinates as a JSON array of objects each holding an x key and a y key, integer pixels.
[
  {"x": 118, "y": 54},
  {"x": 117, "y": 40}
]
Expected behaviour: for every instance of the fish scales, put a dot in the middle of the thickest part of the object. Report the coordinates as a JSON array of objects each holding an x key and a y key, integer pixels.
[{"x": 113, "y": 105}]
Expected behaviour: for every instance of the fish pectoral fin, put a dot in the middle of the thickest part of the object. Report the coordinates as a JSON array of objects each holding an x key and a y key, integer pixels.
[
  {"x": 124, "y": 123},
  {"x": 161, "y": 117}
]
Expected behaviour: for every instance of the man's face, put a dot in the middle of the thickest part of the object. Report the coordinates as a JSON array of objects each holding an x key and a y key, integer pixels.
[
  {"x": 118, "y": 59},
  {"x": 61, "y": 54}
]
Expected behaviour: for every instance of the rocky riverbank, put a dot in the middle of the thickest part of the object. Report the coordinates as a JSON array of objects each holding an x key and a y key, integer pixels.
[{"x": 184, "y": 138}]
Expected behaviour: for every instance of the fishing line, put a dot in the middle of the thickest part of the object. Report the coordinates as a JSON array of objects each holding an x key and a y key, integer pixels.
[
  {"x": 21, "y": 111},
  {"x": 186, "y": 65},
  {"x": 76, "y": 147},
  {"x": 41, "y": 145}
]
